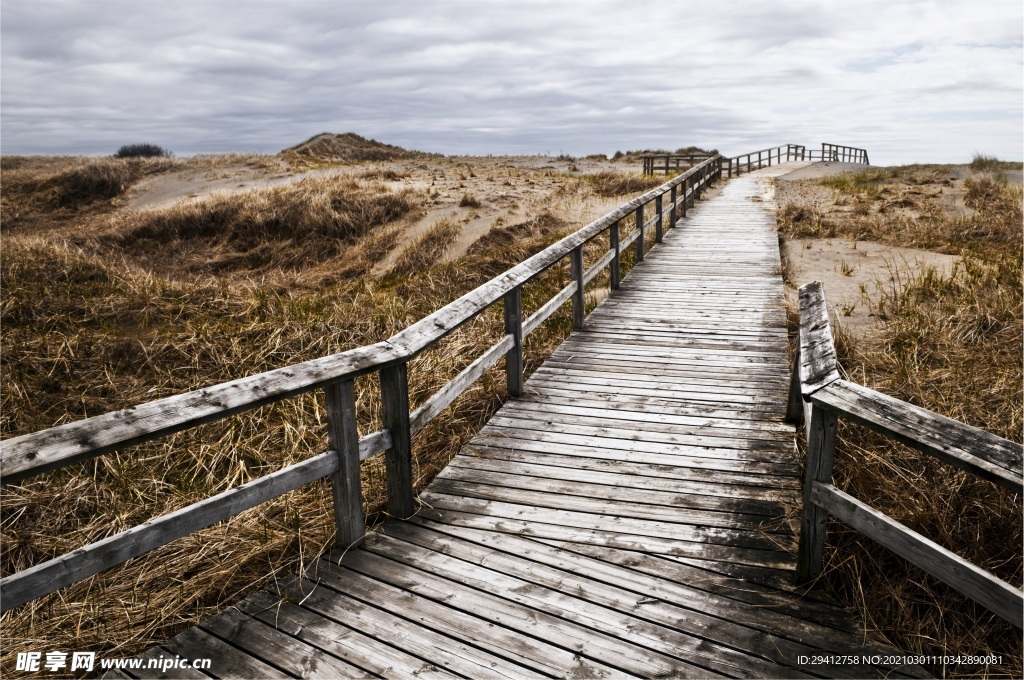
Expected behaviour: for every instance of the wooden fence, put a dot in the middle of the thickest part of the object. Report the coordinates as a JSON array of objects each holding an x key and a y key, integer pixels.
[
  {"x": 821, "y": 396},
  {"x": 793, "y": 152},
  {"x": 31, "y": 454},
  {"x": 669, "y": 162}
]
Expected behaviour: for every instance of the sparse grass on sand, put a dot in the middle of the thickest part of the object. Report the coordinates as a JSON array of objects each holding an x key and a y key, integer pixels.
[
  {"x": 612, "y": 184},
  {"x": 103, "y": 309},
  {"x": 951, "y": 344}
]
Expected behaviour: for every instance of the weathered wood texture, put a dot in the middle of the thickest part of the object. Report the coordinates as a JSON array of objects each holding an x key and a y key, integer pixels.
[
  {"x": 977, "y": 451},
  {"x": 993, "y": 593},
  {"x": 624, "y": 517}
]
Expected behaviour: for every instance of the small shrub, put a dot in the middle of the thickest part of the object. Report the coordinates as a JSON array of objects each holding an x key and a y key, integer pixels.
[
  {"x": 469, "y": 201},
  {"x": 983, "y": 163},
  {"x": 142, "y": 151}
]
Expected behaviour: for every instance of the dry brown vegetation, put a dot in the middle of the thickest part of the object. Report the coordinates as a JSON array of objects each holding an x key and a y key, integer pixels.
[
  {"x": 105, "y": 308},
  {"x": 347, "y": 147},
  {"x": 951, "y": 344},
  {"x": 621, "y": 183}
]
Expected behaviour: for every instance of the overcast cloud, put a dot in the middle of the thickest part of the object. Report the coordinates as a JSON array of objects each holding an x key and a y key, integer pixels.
[{"x": 909, "y": 81}]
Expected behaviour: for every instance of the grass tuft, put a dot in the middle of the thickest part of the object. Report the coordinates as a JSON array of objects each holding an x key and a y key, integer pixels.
[{"x": 611, "y": 184}]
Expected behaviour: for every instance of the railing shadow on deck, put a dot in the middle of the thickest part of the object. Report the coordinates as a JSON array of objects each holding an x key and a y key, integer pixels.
[
  {"x": 28, "y": 455},
  {"x": 821, "y": 396}
]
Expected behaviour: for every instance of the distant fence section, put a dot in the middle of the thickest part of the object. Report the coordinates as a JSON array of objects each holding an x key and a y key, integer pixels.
[
  {"x": 793, "y": 152},
  {"x": 672, "y": 162},
  {"x": 819, "y": 394}
]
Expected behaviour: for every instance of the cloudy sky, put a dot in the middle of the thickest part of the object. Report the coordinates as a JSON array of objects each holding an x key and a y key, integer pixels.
[{"x": 910, "y": 81}]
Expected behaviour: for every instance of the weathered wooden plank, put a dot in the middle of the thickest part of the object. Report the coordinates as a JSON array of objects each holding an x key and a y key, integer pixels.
[
  {"x": 769, "y": 634},
  {"x": 79, "y": 564},
  {"x": 394, "y": 388},
  {"x": 622, "y": 476},
  {"x": 346, "y": 643},
  {"x": 977, "y": 451},
  {"x": 31, "y": 454},
  {"x": 372, "y": 444},
  {"x": 450, "y": 392},
  {"x": 228, "y": 661},
  {"x": 474, "y": 592},
  {"x": 415, "y": 595},
  {"x": 601, "y": 263},
  {"x": 579, "y": 311},
  {"x": 514, "y": 328},
  {"x": 821, "y": 445},
  {"x": 548, "y": 308},
  {"x": 744, "y": 545},
  {"x": 346, "y": 485},
  {"x": 291, "y": 655},
  {"x": 991, "y": 592},
  {"x": 594, "y": 605},
  {"x": 371, "y": 615},
  {"x": 818, "y": 364},
  {"x": 672, "y": 504}
]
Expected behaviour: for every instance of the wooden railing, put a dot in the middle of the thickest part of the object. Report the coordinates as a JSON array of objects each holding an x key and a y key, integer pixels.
[
  {"x": 31, "y": 454},
  {"x": 792, "y": 152},
  {"x": 670, "y": 162},
  {"x": 821, "y": 396}
]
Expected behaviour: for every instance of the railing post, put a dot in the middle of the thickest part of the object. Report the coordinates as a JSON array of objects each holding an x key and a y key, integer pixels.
[
  {"x": 394, "y": 390},
  {"x": 821, "y": 445},
  {"x": 346, "y": 489},
  {"x": 795, "y": 404},
  {"x": 673, "y": 198},
  {"x": 686, "y": 192},
  {"x": 640, "y": 236},
  {"x": 513, "y": 302},
  {"x": 658, "y": 227},
  {"x": 576, "y": 270},
  {"x": 613, "y": 272}
]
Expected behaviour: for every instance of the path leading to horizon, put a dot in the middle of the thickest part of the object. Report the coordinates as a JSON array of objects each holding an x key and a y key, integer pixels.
[{"x": 626, "y": 517}]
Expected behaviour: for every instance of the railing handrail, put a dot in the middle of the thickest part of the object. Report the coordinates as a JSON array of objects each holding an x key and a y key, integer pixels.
[
  {"x": 818, "y": 392},
  {"x": 51, "y": 449},
  {"x": 30, "y": 454}
]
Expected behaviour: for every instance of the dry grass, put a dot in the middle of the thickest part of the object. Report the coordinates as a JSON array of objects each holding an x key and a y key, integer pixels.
[
  {"x": 468, "y": 200},
  {"x": 610, "y": 184},
  {"x": 98, "y": 321},
  {"x": 951, "y": 344},
  {"x": 430, "y": 249},
  {"x": 292, "y": 228}
]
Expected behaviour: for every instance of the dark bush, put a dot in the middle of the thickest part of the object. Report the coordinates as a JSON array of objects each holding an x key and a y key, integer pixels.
[{"x": 141, "y": 151}]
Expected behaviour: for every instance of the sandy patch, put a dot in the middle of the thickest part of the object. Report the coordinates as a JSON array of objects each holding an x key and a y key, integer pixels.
[
  {"x": 855, "y": 275},
  {"x": 819, "y": 169}
]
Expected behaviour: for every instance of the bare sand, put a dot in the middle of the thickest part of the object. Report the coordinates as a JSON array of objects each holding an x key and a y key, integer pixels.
[{"x": 855, "y": 273}]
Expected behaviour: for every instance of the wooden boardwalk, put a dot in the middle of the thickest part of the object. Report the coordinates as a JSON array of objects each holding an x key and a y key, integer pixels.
[{"x": 626, "y": 517}]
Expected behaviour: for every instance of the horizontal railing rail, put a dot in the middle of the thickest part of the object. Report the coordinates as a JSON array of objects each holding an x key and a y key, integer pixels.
[
  {"x": 792, "y": 152},
  {"x": 28, "y": 455},
  {"x": 669, "y": 162},
  {"x": 821, "y": 396}
]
